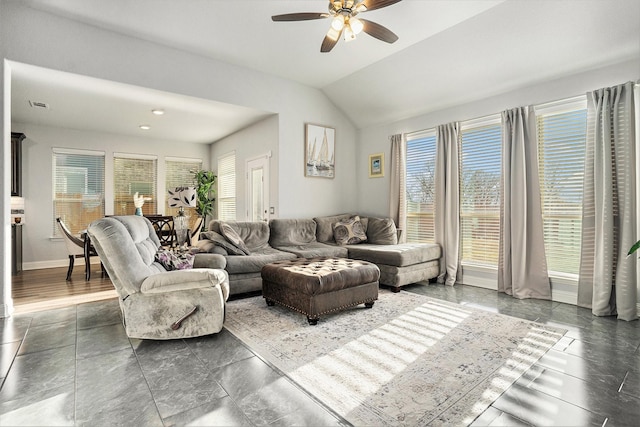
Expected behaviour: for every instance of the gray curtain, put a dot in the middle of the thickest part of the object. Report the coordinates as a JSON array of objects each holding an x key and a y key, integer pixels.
[
  {"x": 447, "y": 226},
  {"x": 522, "y": 265},
  {"x": 607, "y": 282},
  {"x": 398, "y": 193}
]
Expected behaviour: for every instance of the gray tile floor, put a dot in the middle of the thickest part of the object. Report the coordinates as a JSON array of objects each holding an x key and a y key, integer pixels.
[{"x": 76, "y": 366}]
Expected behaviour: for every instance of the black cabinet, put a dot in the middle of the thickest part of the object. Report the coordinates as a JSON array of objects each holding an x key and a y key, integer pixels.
[
  {"x": 16, "y": 163},
  {"x": 16, "y": 248}
]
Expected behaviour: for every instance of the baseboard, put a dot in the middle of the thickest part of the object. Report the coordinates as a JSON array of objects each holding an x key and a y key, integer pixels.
[
  {"x": 482, "y": 284},
  {"x": 5, "y": 311},
  {"x": 55, "y": 263},
  {"x": 564, "y": 297},
  {"x": 478, "y": 276},
  {"x": 37, "y": 265}
]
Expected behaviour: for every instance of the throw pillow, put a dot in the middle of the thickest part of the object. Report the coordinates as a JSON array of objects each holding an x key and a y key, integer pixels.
[
  {"x": 174, "y": 261},
  {"x": 349, "y": 231},
  {"x": 218, "y": 240},
  {"x": 232, "y": 236},
  {"x": 382, "y": 231}
]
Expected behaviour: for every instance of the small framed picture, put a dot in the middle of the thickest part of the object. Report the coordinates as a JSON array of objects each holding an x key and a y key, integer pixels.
[
  {"x": 319, "y": 151},
  {"x": 376, "y": 165}
]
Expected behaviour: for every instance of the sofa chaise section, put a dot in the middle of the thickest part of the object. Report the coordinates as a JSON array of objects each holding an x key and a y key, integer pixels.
[{"x": 399, "y": 263}]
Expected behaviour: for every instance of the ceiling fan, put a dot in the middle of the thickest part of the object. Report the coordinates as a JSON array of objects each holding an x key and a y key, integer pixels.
[{"x": 345, "y": 22}]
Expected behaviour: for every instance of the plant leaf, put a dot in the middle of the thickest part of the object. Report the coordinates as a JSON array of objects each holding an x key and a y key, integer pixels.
[{"x": 634, "y": 248}]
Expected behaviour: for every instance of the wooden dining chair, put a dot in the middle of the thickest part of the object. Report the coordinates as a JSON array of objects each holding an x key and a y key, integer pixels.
[
  {"x": 163, "y": 226},
  {"x": 76, "y": 249}
]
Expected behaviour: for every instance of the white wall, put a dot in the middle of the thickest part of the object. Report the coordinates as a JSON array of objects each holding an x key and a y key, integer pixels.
[
  {"x": 373, "y": 193},
  {"x": 37, "y": 38},
  {"x": 6, "y": 302},
  {"x": 40, "y": 250},
  {"x": 254, "y": 141},
  {"x": 304, "y": 197},
  {"x": 292, "y": 194}
]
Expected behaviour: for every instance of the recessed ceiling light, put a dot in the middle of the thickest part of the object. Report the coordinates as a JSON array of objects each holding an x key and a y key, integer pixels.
[
  {"x": 157, "y": 112},
  {"x": 145, "y": 127}
]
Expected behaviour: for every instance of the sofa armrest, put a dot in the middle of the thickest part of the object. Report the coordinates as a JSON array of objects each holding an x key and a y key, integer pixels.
[
  {"x": 179, "y": 280},
  {"x": 209, "y": 260}
]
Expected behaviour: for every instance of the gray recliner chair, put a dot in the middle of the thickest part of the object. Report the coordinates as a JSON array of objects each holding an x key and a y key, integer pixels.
[{"x": 156, "y": 303}]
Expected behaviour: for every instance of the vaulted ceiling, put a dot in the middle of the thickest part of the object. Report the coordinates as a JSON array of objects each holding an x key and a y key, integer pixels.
[{"x": 448, "y": 52}]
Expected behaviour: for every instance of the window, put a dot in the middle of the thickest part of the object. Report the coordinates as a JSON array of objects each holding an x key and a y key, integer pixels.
[
  {"x": 421, "y": 165},
  {"x": 227, "y": 187},
  {"x": 480, "y": 191},
  {"x": 134, "y": 173},
  {"x": 179, "y": 173},
  {"x": 78, "y": 188},
  {"x": 562, "y": 128}
]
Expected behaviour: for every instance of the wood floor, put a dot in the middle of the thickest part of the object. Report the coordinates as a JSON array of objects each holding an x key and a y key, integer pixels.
[{"x": 43, "y": 289}]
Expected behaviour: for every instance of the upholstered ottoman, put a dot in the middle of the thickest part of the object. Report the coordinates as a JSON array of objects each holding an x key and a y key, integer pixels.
[{"x": 317, "y": 286}]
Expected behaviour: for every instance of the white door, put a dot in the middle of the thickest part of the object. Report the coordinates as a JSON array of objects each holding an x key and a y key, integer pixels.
[{"x": 258, "y": 189}]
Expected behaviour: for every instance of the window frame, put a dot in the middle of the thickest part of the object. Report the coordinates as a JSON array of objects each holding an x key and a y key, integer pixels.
[
  {"x": 149, "y": 207},
  {"x": 414, "y": 232},
  {"x": 548, "y": 110},
  {"x": 76, "y": 225},
  {"x": 227, "y": 189},
  {"x": 490, "y": 121},
  {"x": 193, "y": 165}
]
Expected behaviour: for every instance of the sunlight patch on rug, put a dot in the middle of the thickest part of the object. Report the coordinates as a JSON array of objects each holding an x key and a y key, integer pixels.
[{"x": 410, "y": 360}]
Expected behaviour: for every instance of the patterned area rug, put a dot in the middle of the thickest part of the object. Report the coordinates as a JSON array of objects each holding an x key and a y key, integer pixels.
[{"x": 409, "y": 360}]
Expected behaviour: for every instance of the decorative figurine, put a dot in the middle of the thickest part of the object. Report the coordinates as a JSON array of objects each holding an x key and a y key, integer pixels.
[{"x": 138, "y": 202}]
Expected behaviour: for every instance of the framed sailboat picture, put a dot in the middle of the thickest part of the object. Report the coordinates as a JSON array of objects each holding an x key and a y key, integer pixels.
[{"x": 319, "y": 151}]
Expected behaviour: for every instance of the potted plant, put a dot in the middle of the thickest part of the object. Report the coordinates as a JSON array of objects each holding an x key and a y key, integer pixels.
[
  {"x": 634, "y": 248},
  {"x": 205, "y": 192}
]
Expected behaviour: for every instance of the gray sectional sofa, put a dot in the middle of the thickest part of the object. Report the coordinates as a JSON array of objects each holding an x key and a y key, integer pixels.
[{"x": 248, "y": 246}]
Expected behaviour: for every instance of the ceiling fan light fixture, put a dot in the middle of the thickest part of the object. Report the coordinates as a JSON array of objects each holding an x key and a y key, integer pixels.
[
  {"x": 360, "y": 8},
  {"x": 338, "y": 23},
  {"x": 333, "y": 34},
  {"x": 349, "y": 34},
  {"x": 356, "y": 25},
  {"x": 343, "y": 20}
]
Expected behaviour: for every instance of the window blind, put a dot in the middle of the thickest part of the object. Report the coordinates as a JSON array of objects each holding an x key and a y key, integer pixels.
[
  {"x": 78, "y": 188},
  {"x": 480, "y": 191},
  {"x": 133, "y": 174},
  {"x": 227, "y": 187},
  {"x": 561, "y": 153},
  {"x": 420, "y": 182},
  {"x": 179, "y": 173}
]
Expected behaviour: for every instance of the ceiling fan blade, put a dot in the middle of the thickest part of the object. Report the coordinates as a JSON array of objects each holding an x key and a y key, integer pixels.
[
  {"x": 330, "y": 40},
  {"x": 379, "y": 4},
  {"x": 378, "y": 31},
  {"x": 299, "y": 17}
]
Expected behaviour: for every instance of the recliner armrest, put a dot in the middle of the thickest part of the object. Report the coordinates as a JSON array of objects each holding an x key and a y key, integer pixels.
[
  {"x": 209, "y": 260},
  {"x": 179, "y": 280}
]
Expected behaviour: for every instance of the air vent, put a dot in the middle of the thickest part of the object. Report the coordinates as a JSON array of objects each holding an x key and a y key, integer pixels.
[{"x": 36, "y": 104}]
